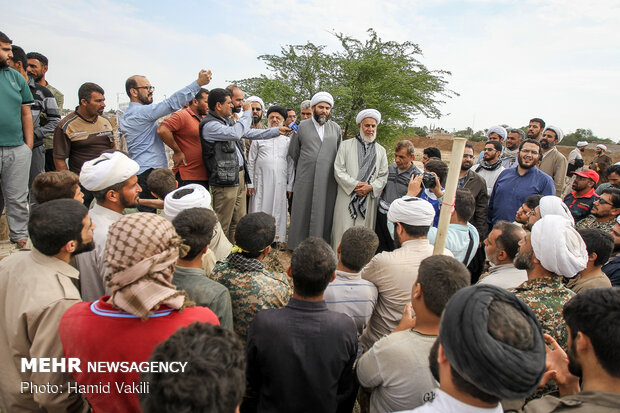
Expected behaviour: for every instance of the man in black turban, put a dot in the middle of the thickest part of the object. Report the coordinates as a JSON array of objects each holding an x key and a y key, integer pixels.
[{"x": 490, "y": 348}]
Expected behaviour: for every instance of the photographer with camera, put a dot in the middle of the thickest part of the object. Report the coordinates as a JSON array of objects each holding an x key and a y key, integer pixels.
[{"x": 429, "y": 185}]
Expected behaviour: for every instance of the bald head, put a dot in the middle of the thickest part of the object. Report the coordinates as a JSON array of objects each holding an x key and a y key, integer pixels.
[{"x": 139, "y": 89}]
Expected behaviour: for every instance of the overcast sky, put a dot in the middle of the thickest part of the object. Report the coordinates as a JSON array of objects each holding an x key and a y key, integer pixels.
[{"x": 510, "y": 60}]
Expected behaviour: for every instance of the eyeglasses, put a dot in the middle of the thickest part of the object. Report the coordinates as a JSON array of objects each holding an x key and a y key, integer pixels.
[
  {"x": 528, "y": 151},
  {"x": 602, "y": 201},
  {"x": 531, "y": 212},
  {"x": 148, "y": 88}
]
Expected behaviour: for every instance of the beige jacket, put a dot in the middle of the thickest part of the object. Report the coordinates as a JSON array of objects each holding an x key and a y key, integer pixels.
[
  {"x": 35, "y": 291},
  {"x": 394, "y": 274},
  {"x": 555, "y": 165}
]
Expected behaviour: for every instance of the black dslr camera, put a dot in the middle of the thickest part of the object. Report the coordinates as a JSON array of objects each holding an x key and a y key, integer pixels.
[{"x": 428, "y": 179}]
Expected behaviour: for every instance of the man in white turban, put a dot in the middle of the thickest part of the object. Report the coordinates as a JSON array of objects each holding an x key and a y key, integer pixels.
[
  {"x": 554, "y": 249},
  {"x": 395, "y": 272},
  {"x": 196, "y": 196},
  {"x": 361, "y": 171},
  {"x": 553, "y": 162},
  {"x": 112, "y": 179},
  {"x": 313, "y": 149},
  {"x": 601, "y": 162}
]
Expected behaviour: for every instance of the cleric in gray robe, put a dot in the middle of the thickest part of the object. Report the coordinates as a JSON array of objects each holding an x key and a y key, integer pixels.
[
  {"x": 361, "y": 171},
  {"x": 313, "y": 149}
]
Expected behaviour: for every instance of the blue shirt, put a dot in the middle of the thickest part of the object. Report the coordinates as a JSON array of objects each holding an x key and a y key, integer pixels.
[
  {"x": 511, "y": 190},
  {"x": 457, "y": 240},
  {"x": 215, "y": 131},
  {"x": 429, "y": 196},
  {"x": 139, "y": 125}
]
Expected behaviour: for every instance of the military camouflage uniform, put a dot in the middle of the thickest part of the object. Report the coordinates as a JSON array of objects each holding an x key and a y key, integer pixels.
[
  {"x": 252, "y": 288},
  {"x": 590, "y": 222},
  {"x": 546, "y": 296}
]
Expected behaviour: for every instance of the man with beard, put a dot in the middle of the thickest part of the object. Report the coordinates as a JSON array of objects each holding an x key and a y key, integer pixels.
[
  {"x": 180, "y": 133},
  {"x": 501, "y": 247},
  {"x": 613, "y": 177},
  {"x": 37, "y": 69},
  {"x": 553, "y": 162},
  {"x": 112, "y": 179},
  {"x": 552, "y": 250},
  {"x": 593, "y": 320},
  {"x": 139, "y": 124},
  {"x": 600, "y": 246},
  {"x": 491, "y": 165},
  {"x": 601, "y": 162},
  {"x": 361, "y": 171},
  {"x": 399, "y": 175},
  {"x": 612, "y": 267},
  {"x": 581, "y": 199},
  {"x": 291, "y": 116},
  {"x": 514, "y": 185},
  {"x": 494, "y": 134},
  {"x": 575, "y": 164},
  {"x": 258, "y": 108},
  {"x": 16, "y": 139},
  {"x": 604, "y": 211},
  {"x": 395, "y": 272},
  {"x": 36, "y": 288},
  {"x": 535, "y": 128},
  {"x": 513, "y": 141},
  {"x": 84, "y": 134},
  {"x": 45, "y": 114},
  {"x": 305, "y": 110},
  {"x": 313, "y": 149},
  {"x": 470, "y": 180}
]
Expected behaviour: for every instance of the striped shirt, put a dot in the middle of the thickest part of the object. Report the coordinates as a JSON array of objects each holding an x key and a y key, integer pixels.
[{"x": 353, "y": 296}]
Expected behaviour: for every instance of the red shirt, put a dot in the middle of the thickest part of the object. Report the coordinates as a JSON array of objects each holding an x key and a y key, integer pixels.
[
  {"x": 184, "y": 127},
  {"x": 97, "y": 332}
]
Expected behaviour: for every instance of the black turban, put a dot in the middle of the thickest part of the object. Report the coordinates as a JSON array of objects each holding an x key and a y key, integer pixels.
[
  {"x": 278, "y": 109},
  {"x": 494, "y": 367}
]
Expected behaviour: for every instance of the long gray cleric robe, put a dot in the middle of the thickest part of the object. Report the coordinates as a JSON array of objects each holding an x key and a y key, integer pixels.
[{"x": 315, "y": 189}]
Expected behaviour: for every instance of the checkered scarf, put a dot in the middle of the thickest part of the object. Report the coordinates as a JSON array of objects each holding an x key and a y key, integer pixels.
[
  {"x": 367, "y": 161},
  {"x": 140, "y": 253}
]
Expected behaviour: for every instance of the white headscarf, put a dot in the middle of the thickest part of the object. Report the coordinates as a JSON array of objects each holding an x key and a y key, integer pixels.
[
  {"x": 500, "y": 130},
  {"x": 368, "y": 113},
  {"x": 552, "y": 205},
  {"x": 582, "y": 144},
  {"x": 107, "y": 169},
  {"x": 558, "y": 246},
  {"x": 199, "y": 198},
  {"x": 411, "y": 211},
  {"x": 322, "y": 97},
  {"x": 603, "y": 147},
  {"x": 256, "y": 99},
  {"x": 558, "y": 132}
]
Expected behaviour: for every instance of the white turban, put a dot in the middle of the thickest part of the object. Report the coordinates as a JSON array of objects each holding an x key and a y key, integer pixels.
[
  {"x": 500, "y": 130},
  {"x": 107, "y": 169},
  {"x": 582, "y": 143},
  {"x": 558, "y": 246},
  {"x": 322, "y": 97},
  {"x": 256, "y": 99},
  {"x": 558, "y": 132},
  {"x": 552, "y": 205},
  {"x": 603, "y": 147},
  {"x": 200, "y": 198},
  {"x": 411, "y": 211},
  {"x": 368, "y": 113}
]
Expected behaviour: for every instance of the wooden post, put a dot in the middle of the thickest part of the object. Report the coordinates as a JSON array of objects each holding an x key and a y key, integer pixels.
[{"x": 458, "y": 146}]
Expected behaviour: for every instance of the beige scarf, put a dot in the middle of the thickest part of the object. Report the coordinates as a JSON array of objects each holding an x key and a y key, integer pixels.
[{"x": 140, "y": 252}]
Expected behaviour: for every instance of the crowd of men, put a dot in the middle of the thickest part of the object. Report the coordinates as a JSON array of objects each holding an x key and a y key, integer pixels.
[{"x": 520, "y": 312}]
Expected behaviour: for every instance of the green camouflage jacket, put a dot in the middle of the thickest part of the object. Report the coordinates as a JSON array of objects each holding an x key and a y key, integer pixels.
[{"x": 252, "y": 288}]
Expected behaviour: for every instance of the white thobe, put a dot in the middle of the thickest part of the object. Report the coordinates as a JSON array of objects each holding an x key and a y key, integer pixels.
[
  {"x": 272, "y": 173},
  {"x": 91, "y": 263},
  {"x": 444, "y": 403}
]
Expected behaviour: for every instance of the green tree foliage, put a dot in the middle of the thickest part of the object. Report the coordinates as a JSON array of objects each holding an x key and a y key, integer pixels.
[
  {"x": 580, "y": 134},
  {"x": 384, "y": 75}
]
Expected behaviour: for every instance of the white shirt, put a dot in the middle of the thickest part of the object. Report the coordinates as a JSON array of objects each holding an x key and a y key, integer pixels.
[
  {"x": 320, "y": 129},
  {"x": 505, "y": 276},
  {"x": 91, "y": 263},
  {"x": 444, "y": 403}
]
